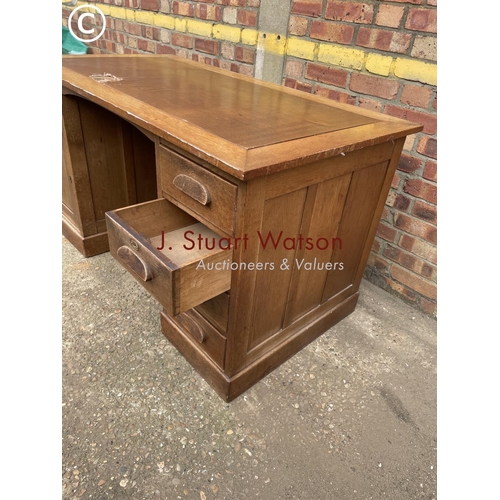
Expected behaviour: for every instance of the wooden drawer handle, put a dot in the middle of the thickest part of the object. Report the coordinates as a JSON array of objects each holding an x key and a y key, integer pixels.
[
  {"x": 193, "y": 188},
  {"x": 134, "y": 263},
  {"x": 192, "y": 327}
]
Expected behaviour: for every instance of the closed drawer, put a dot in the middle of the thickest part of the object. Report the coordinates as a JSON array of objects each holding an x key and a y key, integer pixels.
[
  {"x": 210, "y": 197},
  {"x": 205, "y": 336},
  {"x": 168, "y": 252}
]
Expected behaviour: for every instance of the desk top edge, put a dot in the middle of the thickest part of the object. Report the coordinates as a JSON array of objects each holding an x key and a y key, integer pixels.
[{"x": 241, "y": 162}]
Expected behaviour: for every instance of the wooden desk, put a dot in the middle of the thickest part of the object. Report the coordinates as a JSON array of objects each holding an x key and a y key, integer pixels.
[{"x": 284, "y": 190}]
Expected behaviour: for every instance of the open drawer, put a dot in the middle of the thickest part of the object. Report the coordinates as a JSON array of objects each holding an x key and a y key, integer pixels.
[{"x": 169, "y": 253}]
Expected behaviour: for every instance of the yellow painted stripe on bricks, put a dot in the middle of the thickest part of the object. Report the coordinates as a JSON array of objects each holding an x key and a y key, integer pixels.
[
  {"x": 336, "y": 55},
  {"x": 180, "y": 24},
  {"x": 379, "y": 64},
  {"x": 341, "y": 56},
  {"x": 410, "y": 69},
  {"x": 117, "y": 12},
  {"x": 163, "y": 21},
  {"x": 199, "y": 28},
  {"x": 302, "y": 49},
  {"x": 144, "y": 17},
  {"x": 227, "y": 33},
  {"x": 249, "y": 36}
]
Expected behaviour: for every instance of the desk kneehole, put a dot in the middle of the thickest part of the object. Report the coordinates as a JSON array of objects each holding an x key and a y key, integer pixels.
[{"x": 155, "y": 242}]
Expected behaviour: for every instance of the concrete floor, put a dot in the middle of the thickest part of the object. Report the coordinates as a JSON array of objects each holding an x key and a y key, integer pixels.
[{"x": 352, "y": 416}]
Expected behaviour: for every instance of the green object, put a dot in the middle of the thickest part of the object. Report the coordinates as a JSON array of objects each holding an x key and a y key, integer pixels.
[{"x": 70, "y": 45}]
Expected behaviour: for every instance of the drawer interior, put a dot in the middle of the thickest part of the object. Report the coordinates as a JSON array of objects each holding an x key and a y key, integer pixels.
[{"x": 181, "y": 262}]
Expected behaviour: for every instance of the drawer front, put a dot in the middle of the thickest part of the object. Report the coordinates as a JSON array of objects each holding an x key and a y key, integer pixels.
[
  {"x": 209, "y": 197},
  {"x": 205, "y": 336},
  {"x": 179, "y": 279}
]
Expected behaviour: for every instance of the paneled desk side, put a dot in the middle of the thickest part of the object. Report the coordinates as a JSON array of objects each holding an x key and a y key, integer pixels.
[{"x": 249, "y": 161}]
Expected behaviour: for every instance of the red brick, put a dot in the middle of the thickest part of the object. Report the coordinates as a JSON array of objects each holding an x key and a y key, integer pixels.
[
  {"x": 183, "y": 9},
  {"x": 366, "y": 103},
  {"x": 208, "y": 46},
  {"x": 409, "y": 163},
  {"x": 182, "y": 40},
  {"x": 391, "y": 41},
  {"x": 295, "y": 84},
  {"x": 201, "y": 59},
  {"x": 209, "y": 12},
  {"x": 386, "y": 214},
  {"x": 415, "y": 2},
  {"x": 376, "y": 246},
  {"x": 247, "y": 17},
  {"x": 421, "y": 189},
  {"x": 325, "y": 74},
  {"x": 409, "y": 261},
  {"x": 164, "y": 49},
  {"x": 131, "y": 3},
  {"x": 146, "y": 45},
  {"x": 109, "y": 46},
  {"x": 415, "y": 227},
  {"x": 398, "y": 201},
  {"x": 389, "y": 15},
  {"x": 150, "y": 32},
  {"x": 392, "y": 253},
  {"x": 374, "y": 85},
  {"x": 354, "y": 12},
  {"x": 150, "y": 5},
  {"x": 424, "y": 211},
  {"x": 415, "y": 282},
  {"x": 377, "y": 262},
  {"x": 245, "y": 55},
  {"x": 396, "y": 181},
  {"x": 331, "y": 32},
  {"x": 386, "y": 232},
  {"x": 293, "y": 68},
  {"x": 307, "y": 7},
  {"x": 428, "y": 120},
  {"x": 421, "y": 248},
  {"x": 297, "y": 25},
  {"x": 398, "y": 288},
  {"x": 422, "y": 20},
  {"x": 227, "y": 50},
  {"x": 430, "y": 171},
  {"x": 334, "y": 95},
  {"x": 119, "y": 37},
  {"x": 427, "y": 146},
  {"x": 416, "y": 95},
  {"x": 132, "y": 28},
  {"x": 428, "y": 306}
]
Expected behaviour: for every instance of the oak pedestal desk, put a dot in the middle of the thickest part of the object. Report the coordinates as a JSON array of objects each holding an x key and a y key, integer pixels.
[{"x": 246, "y": 209}]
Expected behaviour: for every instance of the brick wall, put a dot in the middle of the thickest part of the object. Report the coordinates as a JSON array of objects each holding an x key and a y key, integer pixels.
[{"x": 379, "y": 55}]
